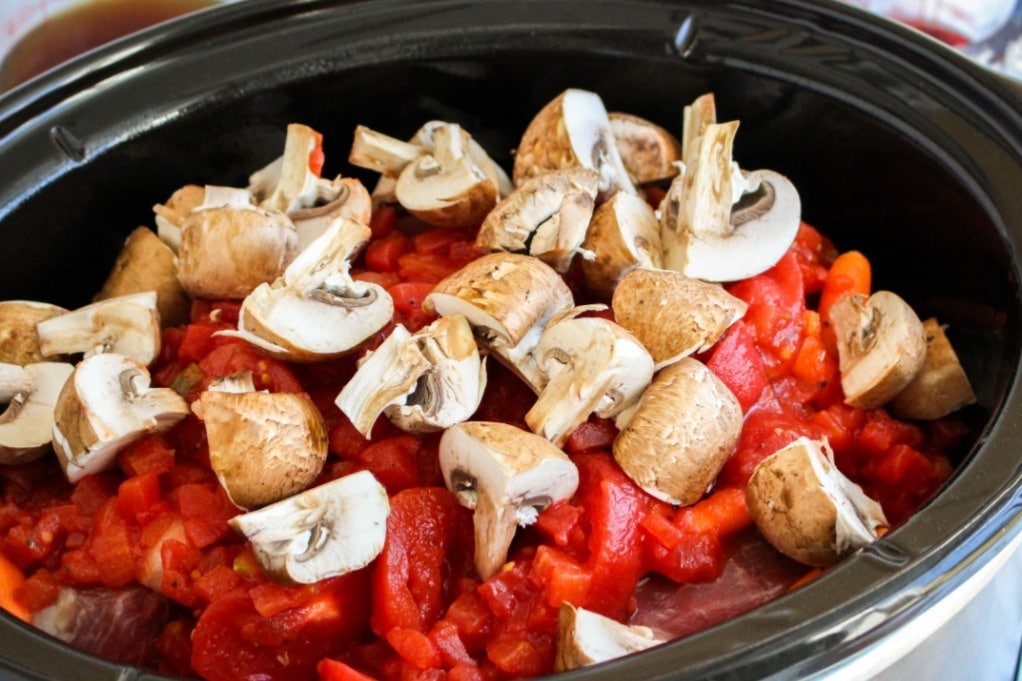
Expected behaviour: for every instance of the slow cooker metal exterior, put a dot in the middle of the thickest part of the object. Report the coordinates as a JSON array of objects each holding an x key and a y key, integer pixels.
[{"x": 900, "y": 148}]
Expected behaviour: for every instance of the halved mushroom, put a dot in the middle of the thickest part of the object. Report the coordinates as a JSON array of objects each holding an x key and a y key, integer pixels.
[
  {"x": 445, "y": 188},
  {"x": 169, "y": 216},
  {"x": 342, "y": 198},
  {"x": 624, "y": 233},
  {"x": 649, "y": 153},
  {"x": 424, "y": 382},
  {"x": 674, "y": 316},
  {"x": 263, "y": 446},
  {"x": 290, "y": 182},
  {"x": 572, "y": 130},
  {"x": 676, "y": 440},
  {"x": 105, "y": 405},
  {"x": 940, "y": 387},
  {"x": 807, "y": 509},
  {"x": 508, "y": 299},
  {"x": 228, "y": 250},
  {"x": 546, "y": 216},
  {"x": 27, "y": 397},
  {"x": 592, "y": 365},
  {"x": 326, "y": 531},
  {"x": 507, "y": 475},
  {"x": 585, "y": 637},
  {"x": 881, "y": 346},
  {"x": 19, "y": 340},
  {"x": 316, "y": 311},
  {"x": 126, "y": 325},
  {"x": 146, "y": 263}
]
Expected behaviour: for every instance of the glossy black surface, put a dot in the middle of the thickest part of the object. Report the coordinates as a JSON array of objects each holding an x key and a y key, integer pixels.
[{"x": 900, "y": 148}]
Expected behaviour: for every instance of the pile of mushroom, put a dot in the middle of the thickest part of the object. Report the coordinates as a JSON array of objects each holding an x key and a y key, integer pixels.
[{"x": 77, "y": 381}]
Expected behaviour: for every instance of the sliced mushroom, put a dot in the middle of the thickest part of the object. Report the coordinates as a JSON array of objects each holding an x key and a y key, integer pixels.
[
  {"x": 263, "y": 446},
  {"x": 445, "y": 188},
  {"x": 572, "y": 130},
  {"x": 674, "y": 316},
  {"x": 19, "y": 340},
  {"x": 592, "y": 365},
  {"x": 624, "y": 233},
  {"x": 316, "y": 311},
  {"x": 508, "y": 299},
  {"x": 676, "y": 440},
  {"x": 227, "y": 251},
  {"x": 342, "y": 198},
  {"x": 546, "y": 216},
  {"x": 169, "y": 216},
  {"x": 649, "y": 153},
  {"x": 424, "y": 382},
  {"x": 585, "y": 637},
  {"x": 146, "y": 263},
  {"x": 104, "y": 406},
  {"x": 807, "y": 509},
  {"x": 507, "y": 475},
  {"x": 881, "y": 347},
  {"x": 326, "y": 531},
  {"x": 940, "y": 387},
  {"x": 385, "y": 154},
  {"x": 127, "y": 325},
  {"x": 27, "y": 396},
  {"x": 289, "y": 182}
]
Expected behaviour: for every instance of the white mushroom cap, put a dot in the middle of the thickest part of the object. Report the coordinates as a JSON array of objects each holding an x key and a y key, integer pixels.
[
  {"x": 572, "y": 130},
  {"x": 649, "y": 153},
  {"x": 127, "y": 325},
  {"x": 623, "y": 233},
  {"x": 585, "y": 638},
  {"x": 263, "y": 446},
  {"x": 807, "y": 509},
  {"x": 326, "y": 531},
  {"x": 546, "y": 216},
  {"x": 28, "y": 396},
  {"x": 940, "y": 387},
  {"x": 684, "y": 428},
  {"x": 19, "y": 341},
  {"x": 881, "y": 346},
  {"x": 506, "y": 475},
  {"x": 105, "y": 405},
  {"x": 674, "y": 316},
  {"x": 592, "y": 366},
  {"x": 288, "y": 183},
  {"x": 424, "y": 382}
]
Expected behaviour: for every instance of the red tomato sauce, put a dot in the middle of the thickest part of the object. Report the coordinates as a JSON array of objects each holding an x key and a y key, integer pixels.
[{"x": 160, "y": 518}]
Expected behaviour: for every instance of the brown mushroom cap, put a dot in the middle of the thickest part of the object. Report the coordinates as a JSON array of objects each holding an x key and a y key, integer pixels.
[
  {"x": 19, "y": 341},
  {"x": 262, "y": 446},
  {"x": 226, "y": 252},
  {"x": 940, "y": 387},
  {"x": 684, "y": 428},
  {"x": 648, "y": 151},
  {"x": 624, "y": 233},
  {"x": 180, "y": 204},
  {"x": 585, "y": 637},
  {"x": 674, "y": 316}
]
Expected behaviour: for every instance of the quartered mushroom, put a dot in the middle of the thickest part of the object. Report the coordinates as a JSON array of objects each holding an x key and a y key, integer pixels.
[
  {"x": 126, "y": 325},
  {"x": 940, "y": 387},
  {"x": 720, "y": 223},
  {"x": 572, "y": 130},
  {"x": 675, "y": 441},
  {"x": 229, "y": 246},
  {"x": 881, "y": 346},
  {"x": 291, "y": 181},
  {"x": 316, "y": 311},
  {"x": 28, "y": 396},
  {"x": 592, "y": 366},
  {"x": 585, "y": 637},
  {"x": 508, "y": 299},
  {"x": 807, "y": 509},
  {"x": 169, "y": 216},
  {"x": 105, "y": 405},
  {"x": 673, "y": 315},
  {"x": 546, "y": 216},
  {"x": 507, "y": 475},
  {"x": 623, "y": 234},
  {"x": 343, "y": 197},
  {"x": 423, "y": 382},
  {"x": 146, "y": 263},
  {"x": 326, "y": 531},
  {"x": 649, "y": 153},
  {"x": 263, "y": 446},
  {"x": 19, "y": 340},
  {"x": 240, "y": 382}
]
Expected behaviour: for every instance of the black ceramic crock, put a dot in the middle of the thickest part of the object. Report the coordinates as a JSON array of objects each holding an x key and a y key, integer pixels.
[{"x": 900, "y": 148}]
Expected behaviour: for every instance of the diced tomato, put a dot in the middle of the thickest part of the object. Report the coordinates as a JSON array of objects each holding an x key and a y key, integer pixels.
[
  {"x": 267, "y": 374},
  {"x": 414, "y": 647},
  {"x": 408, "y": 297},
  {"x": 382, "y": 255},
  {"x": 150, "y": 454},
  {"x": 736, "y": 361},
  {"x": 39, "y": 590},
  {"x": 316, "y": 157},
  {"x": 11, "y": 581},
  {"x": 393, "y": 462},
  {"x": 333, "y": 670},
  {"x": 470, "y": 616},
  {"x": 763, "y": 433},
  {"x": 596, "y": 433},
  {"x": 561, "y": 577},
  {"x": 205, "y": 511},
  {"x": 383, "y": 221},
  {"x": 138, "y": 494},
  {"x": 216, "y": 583}
]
